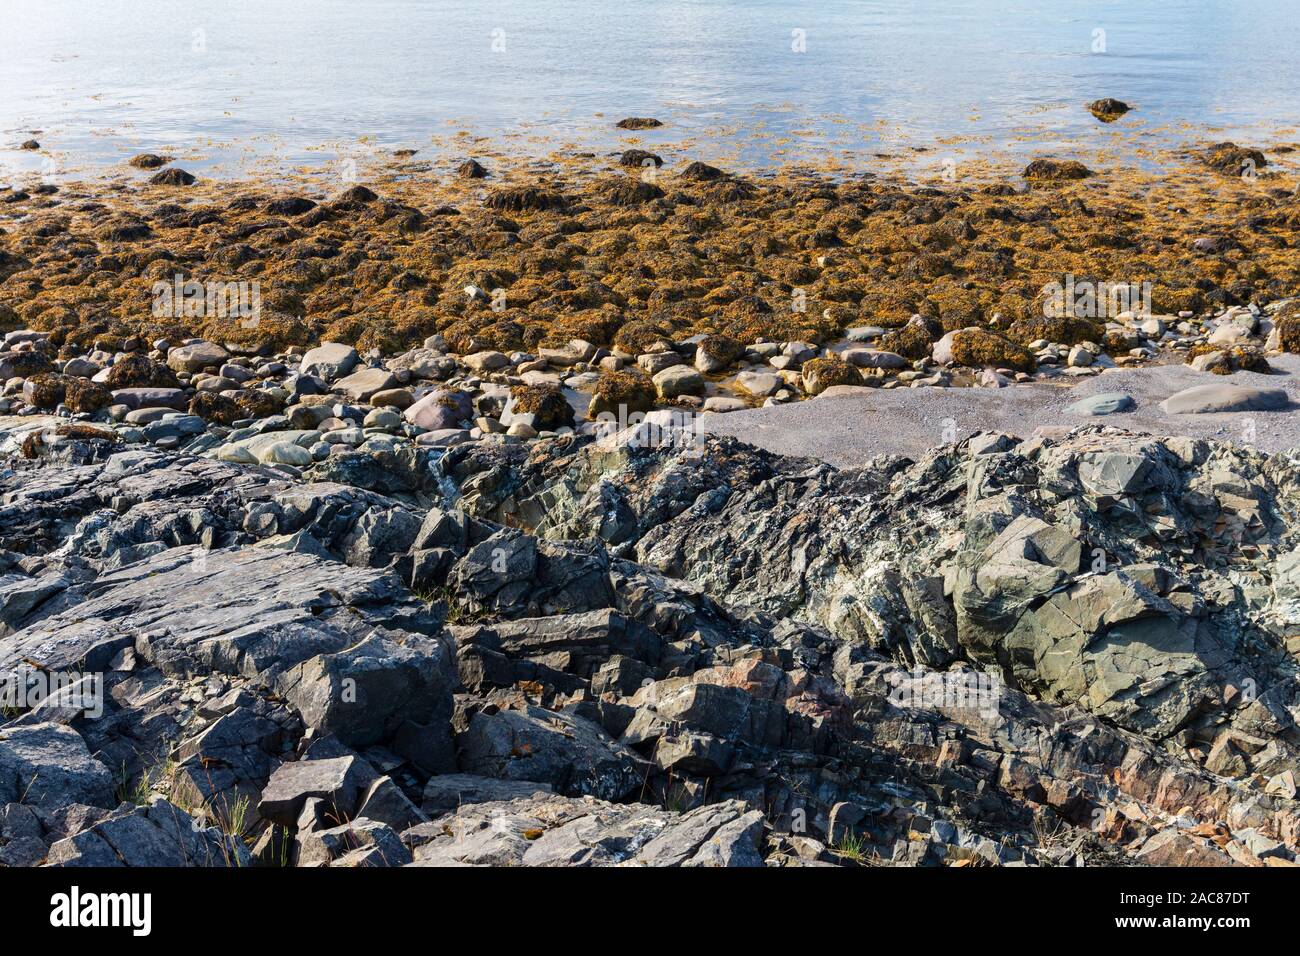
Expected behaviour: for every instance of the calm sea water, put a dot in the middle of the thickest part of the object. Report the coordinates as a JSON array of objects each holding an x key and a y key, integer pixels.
[{"x": 225, "y": 84}]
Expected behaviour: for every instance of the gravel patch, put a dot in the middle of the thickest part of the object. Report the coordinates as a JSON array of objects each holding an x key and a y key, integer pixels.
[{"x": 846, "y": 430}]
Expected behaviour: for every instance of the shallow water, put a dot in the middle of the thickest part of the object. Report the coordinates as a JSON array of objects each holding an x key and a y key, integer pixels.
[{"x": 226, "y": 86}]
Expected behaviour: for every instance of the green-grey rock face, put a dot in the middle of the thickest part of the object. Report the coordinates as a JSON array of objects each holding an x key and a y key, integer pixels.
[{"x": 645, "y": 651}]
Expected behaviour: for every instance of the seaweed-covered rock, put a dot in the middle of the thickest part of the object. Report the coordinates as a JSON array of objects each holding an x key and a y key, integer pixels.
[
  {"x": 257, "y": 402},
  {"x": 546, "y": 403},
  {"x": 1108, "y": 109},
  {"x": 979, "y": 348},
  {"x": 1233, "y": 159},
  {"x": 139, "y": 371},
  {"x": 1226, "y": 359},
  {"x": 82, "y": 395},
  {"x": 149, "y": 161},
  {"x": 290, "y": 206},
  {"x": 524, "y": 199},
  {"x": 715, "y": 353},
  {"x": 23, "y": 364},
  {"x": 625, "y": 390},
  {"x": 215, "y": 407},
  {"x": 820, "y": 374},
  {"x": 174, "y": 176},
  {"x": 626, "y": 191},
  {"x": 1287, "y": 328},
  {"x": 638, "y": 122},
  {"x": 1056, "y": 170},
  {"x": 639, "y": 158},
  {"x": 1060, "y": 329},
  {"x": 644, "y": 335},
  {"x": 45, "y": 390},
  {"x": 914, "y": 340},
  {"x": 701, "y": 172},
  {"x": 471, "y": 169}
]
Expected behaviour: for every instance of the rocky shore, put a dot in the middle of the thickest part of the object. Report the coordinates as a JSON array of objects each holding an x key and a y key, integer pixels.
[
  {"x": 426, "y": 560},
  {"x": 1050, "y": 651},
  {"x": 445, "y": 310}
]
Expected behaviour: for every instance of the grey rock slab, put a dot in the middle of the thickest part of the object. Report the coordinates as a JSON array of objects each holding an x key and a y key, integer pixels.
[
  {"x": 1204, "y": 399},
  {"x": 558, "y": 831},
  {"x": 364, "y": 693},
  {"x": 160, "y": 835},
  {"x": 360, "y": 843},
  {"x": 338, "y": 781},
  {"x": 256, "y": 612},
  {"x": 20, "y": 595},
  {"x": 1104, "y": 403},
  {"x": 567, "y": 752},
  {"x": 360, "y": 385},
  {"x": 49, "y": 766},
  {"x": 851, "y": 430},
  {"x": 196, "y": 356},
  {"x": 329, "y": 360},
  {"x": 446, "y": 792}
]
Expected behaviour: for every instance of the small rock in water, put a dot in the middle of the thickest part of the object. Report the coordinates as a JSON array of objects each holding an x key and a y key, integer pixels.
[
  {"x": 471, "y": 169},
  {"x": 172, "y": 177},
  {"x": 638, "y": 122},
  {"x": 1108, "y": 109}
]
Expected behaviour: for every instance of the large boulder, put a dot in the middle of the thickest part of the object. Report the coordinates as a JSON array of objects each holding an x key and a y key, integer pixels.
[
  {"x": 362, "y": 384},
  {"x": 337, "y": 782},
  {"x": 363, "y": 694},
  {"x": 567, "y": 752},
  {"x": 439, "y": 409},
  {"x": 49, "y": 766},
  {"x": 979, "y": 348},
  {"x": 329, "y": 360},
  {"x": 678, "y": 380},
  {"x": 197, "y": 356}
]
